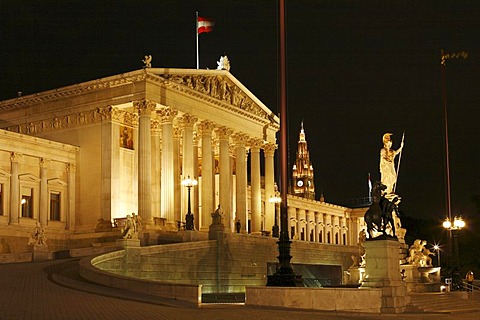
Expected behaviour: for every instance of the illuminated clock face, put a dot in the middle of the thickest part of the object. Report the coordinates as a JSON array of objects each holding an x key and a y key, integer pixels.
[{"x": 299, "y": 183}]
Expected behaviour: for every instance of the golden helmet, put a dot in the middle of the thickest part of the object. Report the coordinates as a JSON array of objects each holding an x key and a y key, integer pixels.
[{"x": 386, "y": 137}]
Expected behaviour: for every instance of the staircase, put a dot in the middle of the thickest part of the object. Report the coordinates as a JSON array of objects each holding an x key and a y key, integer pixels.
[{"x": 444, "y": 302}]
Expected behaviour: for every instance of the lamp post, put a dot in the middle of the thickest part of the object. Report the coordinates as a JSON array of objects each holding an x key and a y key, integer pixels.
[
  {"x": 189, "y": 184},
  {"x": 437, "y": 250},
  {"x": 276, "y": 200},
  {"x": 453, "y": 229}
]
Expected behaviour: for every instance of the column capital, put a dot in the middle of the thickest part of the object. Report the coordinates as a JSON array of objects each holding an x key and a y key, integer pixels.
[
  {"x": 206, "y": 127},
  {"x": 187, "y": 120},
  {"x": 177, "y": 132},
  {"x": 44, "y": 162},
  {"x": 166, "y": 114},
  {"x": 240, "y": 139},
  {"x": 71, "y": 167},
  {"x": 15, "y": 157},
  {"x": 255, "y": 144},
  {"x": 223, "y": 133},
  {"x": 156, "y": 126},
  {"x": 269, "y": 149},
  {"x": 144, "y": 106}
]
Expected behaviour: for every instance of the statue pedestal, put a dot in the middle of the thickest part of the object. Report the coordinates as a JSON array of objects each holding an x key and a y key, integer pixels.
[
  {"x": 41, "y": 253},
  {"x": 128, "y": 243},
  {"x": 422, "y": 279},
  {"x": 382, "y": 270},
  {"x": 355, "y": 275}
]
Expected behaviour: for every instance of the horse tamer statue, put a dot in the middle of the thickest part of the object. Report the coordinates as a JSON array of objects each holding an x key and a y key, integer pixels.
[{"x": 379, "y": 216}]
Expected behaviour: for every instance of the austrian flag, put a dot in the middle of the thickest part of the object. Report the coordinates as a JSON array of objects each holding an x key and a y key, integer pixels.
[{"x": 204, "y": 25}]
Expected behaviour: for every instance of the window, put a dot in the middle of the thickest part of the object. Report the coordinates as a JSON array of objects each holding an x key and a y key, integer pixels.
[
  {"x": 27, "y": 203},
  {"x": 336, "y": 237},
  {"x": 320, "y": 236},
  {"x": 55, "y": 206},
  {"x": 328, "y": 237},
  {"x": 344, "y": 238}
]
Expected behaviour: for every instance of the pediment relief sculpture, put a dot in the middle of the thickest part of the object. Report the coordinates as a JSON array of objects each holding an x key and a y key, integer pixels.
[{"x": 220, "y": 88}]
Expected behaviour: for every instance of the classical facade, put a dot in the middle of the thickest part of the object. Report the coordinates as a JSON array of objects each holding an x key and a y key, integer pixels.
[{"x": 83, "y": 156}]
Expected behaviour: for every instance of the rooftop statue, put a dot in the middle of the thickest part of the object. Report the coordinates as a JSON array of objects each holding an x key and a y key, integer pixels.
[
  {"x": 223, "y": 64},
  {"x": 147, "y": 61}
]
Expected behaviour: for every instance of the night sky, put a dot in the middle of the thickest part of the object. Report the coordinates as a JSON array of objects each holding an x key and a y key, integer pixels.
[{"x": 356, "y": 69}]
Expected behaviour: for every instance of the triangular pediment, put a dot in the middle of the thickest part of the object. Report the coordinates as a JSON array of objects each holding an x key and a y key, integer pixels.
[
  {"x": 57, "y": 182},
  {"x": 28, "y": 177},
  {"x": 219, "y": 85},
  {"x": 4, "y": 174}
]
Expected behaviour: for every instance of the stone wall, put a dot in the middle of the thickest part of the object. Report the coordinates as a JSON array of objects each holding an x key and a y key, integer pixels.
[{"x": 227, "y": 264}]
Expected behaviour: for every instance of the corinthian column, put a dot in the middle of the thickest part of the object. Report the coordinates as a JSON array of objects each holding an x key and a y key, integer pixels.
[
  {"x": 145, "y": 108},
  {"x": 269, "y": 151},
  {"x": 256, "y": 186},
  {"x": 206, "y": 128},
  {"x": 225, "y": 175},
  {"x": 70, "y": 220},
  {"x": 43, "y": 217},
  {"x": 166, "y": 116},
  {"x": 195, "y": 191},
  {"x": 177, "y": 167},
  {"x": 240, "y": 141},
  {"x": 187, "y": 121},
  {"x": 14, "y": 189}
]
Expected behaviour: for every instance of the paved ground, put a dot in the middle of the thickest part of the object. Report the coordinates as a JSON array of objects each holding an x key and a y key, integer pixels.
[{"x": 53, "y": 290}]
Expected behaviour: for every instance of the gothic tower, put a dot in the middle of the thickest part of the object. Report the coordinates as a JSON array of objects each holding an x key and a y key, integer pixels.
[{"x": 302, "y": 175}]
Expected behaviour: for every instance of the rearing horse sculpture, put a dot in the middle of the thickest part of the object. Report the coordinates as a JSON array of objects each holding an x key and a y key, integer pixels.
[{"x": 379, "y": 215}]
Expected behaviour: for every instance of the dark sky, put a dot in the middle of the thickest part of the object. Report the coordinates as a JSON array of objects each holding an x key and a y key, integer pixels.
[{"x": 356, "y": 69}]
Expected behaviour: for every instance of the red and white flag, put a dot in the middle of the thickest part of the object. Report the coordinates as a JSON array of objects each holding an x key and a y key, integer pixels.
[{"x": 204, "y": 25}]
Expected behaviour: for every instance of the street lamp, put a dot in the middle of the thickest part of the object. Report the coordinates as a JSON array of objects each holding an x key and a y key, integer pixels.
[
  {"x": 276, "y": 200},
  {"x": 453, "y": 228},
  {"x": 189, "y": 184},
  {"x": 437, "y": 250}
]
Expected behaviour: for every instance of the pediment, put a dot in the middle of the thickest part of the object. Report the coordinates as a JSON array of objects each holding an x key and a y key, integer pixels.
[
  {"x": 4, "y": 174},
  {"x": 219, "y": 86},
  {"x": 57, "y": 182},
  {"x": 28, "y": 177}
]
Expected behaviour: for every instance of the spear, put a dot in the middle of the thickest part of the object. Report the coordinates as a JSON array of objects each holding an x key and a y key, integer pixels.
[{"x": 398, "y": 164}]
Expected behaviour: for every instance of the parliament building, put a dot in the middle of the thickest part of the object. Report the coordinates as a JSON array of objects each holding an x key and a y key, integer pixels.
[{"x": 77, "y": 160}]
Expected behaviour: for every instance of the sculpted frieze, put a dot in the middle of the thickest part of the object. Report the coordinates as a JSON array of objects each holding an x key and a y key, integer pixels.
[
  {"x": 97, "y": 115},
  {"x": 218, "y": 87}
]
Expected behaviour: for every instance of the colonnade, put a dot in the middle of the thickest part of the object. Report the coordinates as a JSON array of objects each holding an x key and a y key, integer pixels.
[
  {"x": 315, "y": 226},
  {"x": 203, "y": 137}
]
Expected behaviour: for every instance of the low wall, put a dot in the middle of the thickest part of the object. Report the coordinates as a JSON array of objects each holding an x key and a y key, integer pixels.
[
  {"x": 181, "y": 292},
  {"x": 326, "y": 299}
]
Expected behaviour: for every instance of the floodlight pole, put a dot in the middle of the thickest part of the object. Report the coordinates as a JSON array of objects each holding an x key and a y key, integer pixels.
[{"x": 284, "y": 275}]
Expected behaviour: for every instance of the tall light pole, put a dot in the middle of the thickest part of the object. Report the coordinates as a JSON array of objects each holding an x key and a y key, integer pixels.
[
  {"x": 448, "y": 203},
  {"x": 284, "y": 275},
  {"x": 437, "y": 249},
  {"x": 453, "y": 228},
  {"x": 276, "y": 200},
  {"x": 189, "y": 184}
]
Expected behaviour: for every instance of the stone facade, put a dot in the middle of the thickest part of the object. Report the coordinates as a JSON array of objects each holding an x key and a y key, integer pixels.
[{"x": 122, "y": 144}]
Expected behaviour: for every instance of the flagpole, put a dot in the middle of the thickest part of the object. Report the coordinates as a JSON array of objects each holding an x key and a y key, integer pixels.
[{"x": 196, "y": 33}]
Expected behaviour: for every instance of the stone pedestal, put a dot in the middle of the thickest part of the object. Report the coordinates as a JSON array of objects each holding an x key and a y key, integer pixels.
[
  {"x": 422, "y": 279},
  {"x": 382, "y": 270},
  {"x": 132, "y": 258},
  {"x": 41, "y": 253},
  {"x": 355, "y": 275}
]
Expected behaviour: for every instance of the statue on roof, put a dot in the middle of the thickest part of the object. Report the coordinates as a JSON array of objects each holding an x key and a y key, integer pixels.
[
  {"x": 223, "y": 64},
  {"x": 147, "y": 61}
]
